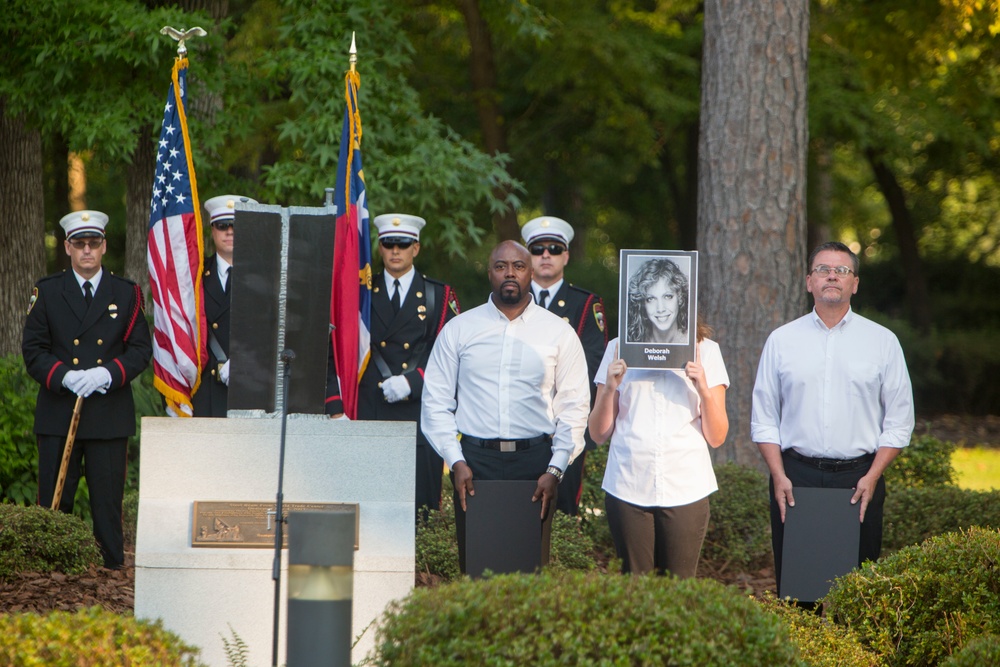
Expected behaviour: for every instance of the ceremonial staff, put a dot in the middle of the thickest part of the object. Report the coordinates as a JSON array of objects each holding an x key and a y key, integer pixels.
[{"x": 67, "y": 451}]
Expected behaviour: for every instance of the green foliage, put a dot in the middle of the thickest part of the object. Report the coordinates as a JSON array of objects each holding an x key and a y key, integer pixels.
[
  {"x": 90, "y": 638},
  {"x": 739, "y": 530},
  {"x": 571, "y": 548},
  {"x": 915, "y": 514},
  {"x": 981, "y": 651},
  {"x": 237, "y": 651},
  {"x": 18, "y": 450},
  {"x": 579, "y": 619},
  {"x": 130, "y": 515},
  {"x": 591, "y": 513},
  {"x": 36, "y": 539},
  {"x": 926, "y": 461},
  {"x": 820, "y": 642},
  {"x": 924, "y": 602}
]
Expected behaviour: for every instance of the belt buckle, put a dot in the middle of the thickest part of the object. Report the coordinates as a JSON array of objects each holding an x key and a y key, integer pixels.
[{"x": 508, "y": 445}]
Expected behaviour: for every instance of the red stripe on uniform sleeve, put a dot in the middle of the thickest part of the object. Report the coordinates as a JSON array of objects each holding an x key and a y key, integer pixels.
[{"x": 52, "y": 370}]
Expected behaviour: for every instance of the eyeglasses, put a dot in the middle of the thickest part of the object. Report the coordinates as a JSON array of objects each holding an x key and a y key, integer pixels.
[
  {"x": 824, "y": 270},
  {"x": 223, "y": 225},
  {"x": 402, "y": 244},
  {"x": 80, "y": 244},
  {"x": 538, "y": 249}
]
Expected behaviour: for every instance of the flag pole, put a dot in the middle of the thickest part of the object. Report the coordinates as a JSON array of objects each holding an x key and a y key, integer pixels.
[{"x": 354, "y": 54}]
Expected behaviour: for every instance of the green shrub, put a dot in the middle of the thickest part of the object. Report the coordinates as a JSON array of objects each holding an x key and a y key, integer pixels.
[
  {"x": 571, "y": 547},
  {"x": 89, "y": 638},
  {"x": 18, "y": 451},
  {"x": 821, "y": 643},
  {"x": 739, "y": 531},
  {"x": 924, "y": 602},
  {"x": 130, "y": 515},
  {"x": 926, "y": 461},
  {"x": 592, "y": 519},
  {"x": 36, "y": 539},
  {"x": 913, "y": 515},
  {"x": 581, "y": 619},
  {"x": 979, "y": 652}
]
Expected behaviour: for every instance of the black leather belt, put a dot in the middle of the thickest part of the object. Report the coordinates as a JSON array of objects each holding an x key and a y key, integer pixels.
[
  {"x": 831, "y": 465},
  {"x": 506, "y": 445}
]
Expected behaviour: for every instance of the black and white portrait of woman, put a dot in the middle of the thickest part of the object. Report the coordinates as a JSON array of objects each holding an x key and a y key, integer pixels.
[{"x": 657, "y": 289}]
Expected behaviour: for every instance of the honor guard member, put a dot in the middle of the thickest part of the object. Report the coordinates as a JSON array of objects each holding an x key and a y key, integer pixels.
[
  {"x": 212, "y": 397},
  {"x": 408, "y": 310},
  {"x": 547, "y": 239},
  {"x": 86, "y": 335}
]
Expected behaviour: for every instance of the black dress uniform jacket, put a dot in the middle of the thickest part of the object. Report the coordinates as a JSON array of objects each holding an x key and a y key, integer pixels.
[
  {"x": 62, "y": 334},
  {"x": 212, "y": 397}
]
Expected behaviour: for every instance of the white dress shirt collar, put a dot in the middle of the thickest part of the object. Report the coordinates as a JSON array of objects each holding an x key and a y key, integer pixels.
[
  {"x": 95, "y": 281},
  {"x": 405, "y": 281},
  {"x": 222, "y": 270}
]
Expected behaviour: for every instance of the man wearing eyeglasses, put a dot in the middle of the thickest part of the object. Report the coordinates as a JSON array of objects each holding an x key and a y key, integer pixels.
[
  {"x": 832, "y": 403},
  {"x": 547, "y": 239},
  {"x": 85, "y": 335},
  {"x": 408, "y": 311},
  {"x": 212, "y": 397}
]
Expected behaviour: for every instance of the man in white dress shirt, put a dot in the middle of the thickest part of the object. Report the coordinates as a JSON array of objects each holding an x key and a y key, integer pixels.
[
  {"x": 832, "y": 403},
  {"x": 506, "y": 393}
]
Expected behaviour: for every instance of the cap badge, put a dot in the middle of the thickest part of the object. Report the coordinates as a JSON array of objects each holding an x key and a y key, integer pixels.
[
  {"x": 85, "y": 217},
  {"x": 396, "y": 222},
  {"x": 545, "y": 223}
]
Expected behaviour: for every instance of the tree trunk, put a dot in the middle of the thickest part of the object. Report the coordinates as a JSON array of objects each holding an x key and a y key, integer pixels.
[
  {"x": 23, "y": 224},
  {"x": 482, "y": 71},
  {"x": 906, "y": 237},
  {"x": 751, "y": 188},
  {"x": 139, "y": 191}
]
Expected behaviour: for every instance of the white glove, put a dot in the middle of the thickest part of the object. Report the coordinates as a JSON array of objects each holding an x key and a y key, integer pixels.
[
  {"x": 224, "y": 373},
  {"x": 395, "y": 388},
  {"x": 340, "y": 417},
  {"x": 94, "y": 379},
  {"x": 72, "y": 380}
]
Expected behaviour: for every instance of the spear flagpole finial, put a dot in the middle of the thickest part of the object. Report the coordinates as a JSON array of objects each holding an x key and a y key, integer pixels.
[
  {"x": 353, "y": 52},
  {"x": 181, "y": 35}
]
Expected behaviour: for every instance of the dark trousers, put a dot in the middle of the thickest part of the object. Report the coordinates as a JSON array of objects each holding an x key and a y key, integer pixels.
[
  {"x": 571, "y": 486},
  {"x": 430, "y": 475},
  {"x": 489, "y": 464},
  {"x": 664, "y": 539},
  {"x": 801, "y": 473},
  {"x": 104, "y": 462}
]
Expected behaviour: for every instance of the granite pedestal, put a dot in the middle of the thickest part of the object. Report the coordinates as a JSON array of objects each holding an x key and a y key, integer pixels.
[{"x": 205, "y": 594}]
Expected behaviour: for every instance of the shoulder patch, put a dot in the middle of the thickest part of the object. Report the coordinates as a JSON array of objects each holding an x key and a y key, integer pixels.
[
  {"x": 599, "y": 315},
  {"x": 32, "y": 300},
  {"x": 452, "y": 300}
]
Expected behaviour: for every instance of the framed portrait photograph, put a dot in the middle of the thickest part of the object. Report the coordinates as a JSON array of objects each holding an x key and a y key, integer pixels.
[{"x": 657, "y": 308}]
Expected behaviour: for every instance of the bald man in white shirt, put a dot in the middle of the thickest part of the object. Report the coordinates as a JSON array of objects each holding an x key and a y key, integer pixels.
[
  {"x": 832, "y": 403},
  {"x": 506, "y": 393}
]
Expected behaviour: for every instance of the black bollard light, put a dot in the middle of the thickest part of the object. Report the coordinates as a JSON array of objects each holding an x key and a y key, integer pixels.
[{"x": 320, "y": 588}]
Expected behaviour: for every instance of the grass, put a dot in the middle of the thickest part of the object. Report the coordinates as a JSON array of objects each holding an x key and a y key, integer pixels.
[{"x": 977, "y": 468}]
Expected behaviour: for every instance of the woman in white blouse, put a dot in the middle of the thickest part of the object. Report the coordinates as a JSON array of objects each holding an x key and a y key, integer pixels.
[{"x": 659, "y": 474}]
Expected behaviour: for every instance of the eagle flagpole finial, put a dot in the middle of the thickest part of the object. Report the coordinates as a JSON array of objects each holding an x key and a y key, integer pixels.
[{"x": 181, "y": 35}]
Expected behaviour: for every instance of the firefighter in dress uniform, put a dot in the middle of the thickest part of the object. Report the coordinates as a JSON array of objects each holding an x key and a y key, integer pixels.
[
  {"x": 547, "y": 239},
  {"x": 86, "y": 335},
  {"x": 212, "y": 397}
]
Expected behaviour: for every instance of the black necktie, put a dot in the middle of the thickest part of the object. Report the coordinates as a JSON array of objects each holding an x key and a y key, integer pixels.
[
  {"x": 229, "y": 278},
  {"x": 88, "y": 292},
  {"x": 543, "y": 296},
  {"x": 395, "y": 297}
]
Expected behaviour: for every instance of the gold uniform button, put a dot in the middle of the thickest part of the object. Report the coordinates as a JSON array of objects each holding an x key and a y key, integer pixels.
[
  {"x": 76, "y": 341},
  {"x": 406, "y": 346},
  {"x": 561, "y": 303},
  {"x": 405, "y": 366},
  {"x": 566, "y": 319},
  {"x": 99, "y": 362},
  {"x": 420, "y": 295},
  {"x": 213, "y": 372},
  {"x": 215, "y": 325},
  {"x": 382, "y": 344},
  {"x": 379, "y": 385},
  {"x": 100, "y": 341},
  {"x": 75, "y": 361}
]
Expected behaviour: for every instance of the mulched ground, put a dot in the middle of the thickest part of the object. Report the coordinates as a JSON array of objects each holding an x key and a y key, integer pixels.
[{"x": 115, "y": 590}]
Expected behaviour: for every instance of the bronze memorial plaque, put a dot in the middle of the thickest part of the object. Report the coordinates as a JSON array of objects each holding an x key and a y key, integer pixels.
[{"x": 250, "y": 525}]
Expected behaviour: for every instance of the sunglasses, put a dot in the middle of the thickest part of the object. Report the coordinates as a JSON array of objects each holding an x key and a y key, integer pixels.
[
  {"x": 402, "y": 244},
  {"x": 80, "y": 244},
  {"x": 223, "y": 225},
  {"x": 538, "y": 249}
]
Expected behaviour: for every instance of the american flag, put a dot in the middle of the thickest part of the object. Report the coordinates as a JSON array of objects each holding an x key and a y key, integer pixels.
[
  {"x": 351, "y": 297},
  {"x": 175, "y": 255}
]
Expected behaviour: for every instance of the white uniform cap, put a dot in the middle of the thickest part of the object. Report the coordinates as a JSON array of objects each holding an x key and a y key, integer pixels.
[
  {"x": 547, "y": 227},
  {"x": 223, "y": 207},
  {"x": 399, "y": 224},
  {"x": 84, "y": 223}
]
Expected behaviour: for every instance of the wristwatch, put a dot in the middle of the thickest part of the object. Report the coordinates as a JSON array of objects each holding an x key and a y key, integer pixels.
[{"x": 555, "y": 472}]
